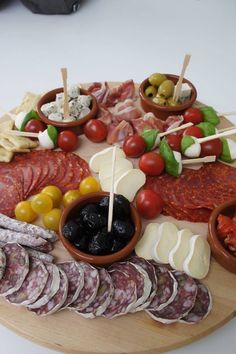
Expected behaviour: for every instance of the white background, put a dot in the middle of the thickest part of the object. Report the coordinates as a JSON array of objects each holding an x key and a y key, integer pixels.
[{"x": 118, "y": 40}]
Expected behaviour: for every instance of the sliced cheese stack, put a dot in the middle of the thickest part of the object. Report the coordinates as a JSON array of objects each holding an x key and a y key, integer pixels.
[
  {"x": 181, "y": 250},
  {"x": 127, "y": 180},
  {"x": 166, "y": 240},
  {"x": 145, "y": 246}
]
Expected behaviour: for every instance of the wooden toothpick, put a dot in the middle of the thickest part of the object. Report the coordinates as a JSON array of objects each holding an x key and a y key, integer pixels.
[
  {"x": 199, "y": 160},
  {"x": 111, "y": 197},
  {"x": 179, "y": 83},
  {"x": 23, "y": 134},
  {"x": 183, "y": 126},
  {"x": 216, "y": 136},
  {"x": 66, "y": 105}
]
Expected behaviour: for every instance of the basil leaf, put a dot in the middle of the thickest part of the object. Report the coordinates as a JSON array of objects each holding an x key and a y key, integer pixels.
[
  {"x": 52, "y": 133},
  {"x": 225, "y": 155},
  {"x": 171, "y": 165},
  {"x": 149, "y": 136},
  {"x": 209, "y": 115},
  {"x": 207, "y": 128},
  {"x": 30, "y": 115},
  {"x": 186, "y": 142}
]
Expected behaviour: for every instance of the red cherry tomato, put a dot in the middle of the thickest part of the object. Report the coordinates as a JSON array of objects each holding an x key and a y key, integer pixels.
[
  {"x": 193, "y": 115},
  {"x": 149, "y": 204},
  {"x": 67, "y": 140},
  {"x": 134, "y": 146},
  {"x": 95, "y": 130},
  {"x": 194, "y": 131},
  {"x": 35, "y": 126},
  {"x": 152, "y": 164},
  {"x": 210, "y": 148},
  {"x": 174, "y": 141}
]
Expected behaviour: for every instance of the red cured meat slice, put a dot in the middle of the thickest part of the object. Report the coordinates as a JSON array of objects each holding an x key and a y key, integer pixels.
[
  {"x": 173, "y": 122},
  {"x": 103, "y": 297},
  {"x": 126, "y": 111},
  {"x": 182, "y": 303},
  {"x": 148, "y": 121},
  {"x": 75, "y": 275},
  {"x": 89, "y": 290},
  {"x": 32, "y": 286},
  {"x": 57, "y": 301},
  {"x": 202, "y": 306},
  {"x": 17, "y": 268},
  {"x": 166, "y": 288},
  {"x": 124, "y": 297},
  {"x": 2, "y": 263},
  {"x": 104, "y": 115},
  {"x": 118, "y": 132},
  {"x": 10, "y": 193}
]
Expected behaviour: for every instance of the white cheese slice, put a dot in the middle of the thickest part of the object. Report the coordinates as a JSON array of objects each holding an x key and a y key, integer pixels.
[
  {"x": 197, "y": 262},
  {"x": 104, "y": 156},
  {"x": 194, "y": 150},
  {"x": 145, "y": 245},
  {"x": 129, "y": 183},
  {"x": 179, "y": 253},
  {"x": 166, "y": 241}
]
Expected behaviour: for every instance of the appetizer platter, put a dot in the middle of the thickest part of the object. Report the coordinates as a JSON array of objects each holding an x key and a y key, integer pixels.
[{"x": 131, "y": 198}]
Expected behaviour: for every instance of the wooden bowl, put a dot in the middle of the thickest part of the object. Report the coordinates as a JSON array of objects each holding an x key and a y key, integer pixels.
[
  {"x": 163, "y": 112},
  {"x": 76, "y": 126},
  {"x": 220, "y": 253},
  {"x": 72, "y": 210}
]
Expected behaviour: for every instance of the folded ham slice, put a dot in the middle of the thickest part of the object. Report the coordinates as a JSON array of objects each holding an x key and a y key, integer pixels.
[
  {"x": 148, "y": 121},
  {"x": 126, "y": 111},
  {"x": 118, "y": 132}
]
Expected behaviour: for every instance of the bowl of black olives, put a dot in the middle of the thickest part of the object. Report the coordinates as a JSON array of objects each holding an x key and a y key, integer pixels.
[
  {"x": 156, "y": 95},
  {"x": 83, "y": 229}
]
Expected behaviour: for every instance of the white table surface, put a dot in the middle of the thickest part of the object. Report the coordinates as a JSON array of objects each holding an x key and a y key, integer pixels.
[{"x": 117, "y": 40}]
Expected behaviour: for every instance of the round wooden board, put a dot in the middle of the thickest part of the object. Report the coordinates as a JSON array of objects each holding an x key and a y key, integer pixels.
[{"x": 67, "y": 332}]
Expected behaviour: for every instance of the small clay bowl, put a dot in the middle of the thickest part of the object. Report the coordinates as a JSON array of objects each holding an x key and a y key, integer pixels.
[
  {"x": 220, "y": 253},
  {"x": 163, "y": 112},
  {"x": 77, "y": 125},
  {"x": 73, "y": 209}
]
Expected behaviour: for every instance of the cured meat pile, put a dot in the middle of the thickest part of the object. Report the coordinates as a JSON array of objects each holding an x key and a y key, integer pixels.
[
  {"x": 194, "y": 194},
  {"x": 27, "y": 174},
  {"x": 130, "y": 286}
]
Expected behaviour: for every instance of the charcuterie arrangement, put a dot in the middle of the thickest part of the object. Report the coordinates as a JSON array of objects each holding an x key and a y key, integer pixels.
[{"x": 177, "y": 166}]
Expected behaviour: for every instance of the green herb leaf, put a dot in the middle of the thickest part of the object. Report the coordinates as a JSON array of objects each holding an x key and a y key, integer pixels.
[
  {"x": 30, "y": 115},
  {"x": 149, "y": 136},
  {"x": 186, "y": 142},
  {"x": 207, "y": 128},
  {"x": 52, "y": 133},
  {"x": 171, "y": 165},
  {"x": 225, "y": 155},
  {"x": 209, "y": 115}
]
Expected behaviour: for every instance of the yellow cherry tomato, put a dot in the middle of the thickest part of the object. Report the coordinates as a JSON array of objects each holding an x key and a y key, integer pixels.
[
  {"x": 89, "y": 185},
  {"x": 70, "y": 196},
  {"x": 51, "y": 220},
  {"x": 24, "y": 212},
  {"x": 54, "y": 193},
  {"x": 41, "y": 203}
]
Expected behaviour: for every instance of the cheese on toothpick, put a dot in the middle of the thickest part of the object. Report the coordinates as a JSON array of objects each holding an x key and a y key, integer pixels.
[
  {"x": 104, "y": 156},
  {"x": 129, "y": 183}
]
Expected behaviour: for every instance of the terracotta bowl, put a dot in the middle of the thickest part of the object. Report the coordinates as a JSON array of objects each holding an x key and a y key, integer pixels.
[
  {"x": 220, "y": 253},
  {"x": 163, "y": 112},
  {"x": 72, "y": 210},
  {"x": 76, "y": 126}
]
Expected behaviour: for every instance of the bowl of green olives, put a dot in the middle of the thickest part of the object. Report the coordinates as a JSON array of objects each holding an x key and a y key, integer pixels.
[
  {"x": 83, "y": 229},
  {"x": 156, "y": 95}
]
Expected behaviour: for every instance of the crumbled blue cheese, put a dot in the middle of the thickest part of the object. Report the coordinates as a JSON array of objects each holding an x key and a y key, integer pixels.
[{"x": 185, "y": 92}]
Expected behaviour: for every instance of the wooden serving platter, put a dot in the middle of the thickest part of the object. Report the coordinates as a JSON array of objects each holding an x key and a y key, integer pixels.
[{"x": 137, "y": 333}]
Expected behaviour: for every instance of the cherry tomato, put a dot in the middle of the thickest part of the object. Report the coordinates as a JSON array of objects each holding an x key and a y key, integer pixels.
[
  {"x": 35, "y": 126},
  {"x": 134, "y": 146},
  {"x": 210, "y": 148},
  {"x": 68, "y": 140},
  {"x": 51, "y": 220},
  {"x": 174, "y": 141},
  {"x": 149, "y": 204},
  {"x": 54, "y": 193},
  {"x": 193, "y": 115},
  {"x": 152, "y": 164},
  {"x": 24, "y": 212},
  {"x": 95, "y": 130},
  {"x": 89, "y": 185},
  {"x": 41, "y": 203},
  {"x": 70, "y": 196},
  {"x": 194, "y": 131}
]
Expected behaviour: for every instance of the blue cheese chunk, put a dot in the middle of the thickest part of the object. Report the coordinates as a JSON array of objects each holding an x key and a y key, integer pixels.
[{"x": 185, "y": 92}]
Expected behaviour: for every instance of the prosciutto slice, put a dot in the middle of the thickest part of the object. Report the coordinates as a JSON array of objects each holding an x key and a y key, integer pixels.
[
  {"x": 126, "y": 111},
  {"x": 118, "y": 132},
  {"x": 148, "y": 121}
]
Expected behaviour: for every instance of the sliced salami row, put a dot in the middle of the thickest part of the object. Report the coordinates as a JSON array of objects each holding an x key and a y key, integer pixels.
[
  {"x": 130, "y": 286},
  {"x": 195, "y": 193},
  {"x": 28, "y": 173}
]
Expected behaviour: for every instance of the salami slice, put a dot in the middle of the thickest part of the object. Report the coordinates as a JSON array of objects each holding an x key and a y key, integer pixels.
[
  {"x": 103, "y": 297},
  {"x": 124, "y": 297},
  {"x": 21, "y": 238},
  {"x": 2, "y": 263},
  {"x": 182, "y": 303},
  {"x": 89, "y": 290},
  {"x": 166, "y": 288},
  {"x": 17, "y": 268},
  {"x": 51, "y": 287},
  {"x": 32, "y": 286},
  {"x": 45, "y": 257},
  {"x": 29, "y": 229},
  {"x": 9, "y": 193},
  {"x": 150, "y": 269},
  {"x": 75, "y": 275},
  {"x": 57, "y": 301},
  {"x": 202, "y": 306}
]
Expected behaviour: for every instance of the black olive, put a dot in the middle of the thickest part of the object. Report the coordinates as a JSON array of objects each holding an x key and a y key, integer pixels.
[
  {"x": 117, "y": 245},
  {"x": 122, "y": 229},
  {"x": 94, "y": 221},
  {"x": 89, "y": 208},
  {"x": 71, "y": 230},
  {"x": 100, "y": 243},
  {"x": 104, "y": 205},
  {"x": 121, "y": 207},
  {"x": 82, "y": 243}
]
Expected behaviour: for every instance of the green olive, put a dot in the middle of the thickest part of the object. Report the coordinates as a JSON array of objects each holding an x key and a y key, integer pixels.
[
  {"x": 161, "y": 101},
  {"x": 172, "y": 102},
  {"x": 166, "y": 89},
  {"x": 151, "y": 91},
  {"x": 156, "y": 79}
]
